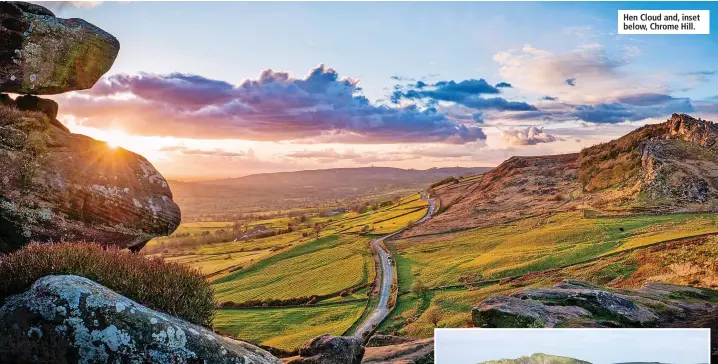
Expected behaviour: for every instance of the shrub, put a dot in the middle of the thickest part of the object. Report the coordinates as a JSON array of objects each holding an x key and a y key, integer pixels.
[{"x": 168, "y": 287}]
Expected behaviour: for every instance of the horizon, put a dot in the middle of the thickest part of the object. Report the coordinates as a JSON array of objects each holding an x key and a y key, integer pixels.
[
  {"x": 301, "y": 86},
  {"x": 324, "y": 169}
]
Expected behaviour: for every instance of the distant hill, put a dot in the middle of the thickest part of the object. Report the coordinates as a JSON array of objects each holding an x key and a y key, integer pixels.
[
  {"x": 538, "y": 358},
  {"x": 660, "y": 168},
  {"x": 304, "y": 189}
]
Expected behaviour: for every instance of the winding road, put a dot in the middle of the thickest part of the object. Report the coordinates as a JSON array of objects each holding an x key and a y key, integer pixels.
[{"x": 387, "y": 278}]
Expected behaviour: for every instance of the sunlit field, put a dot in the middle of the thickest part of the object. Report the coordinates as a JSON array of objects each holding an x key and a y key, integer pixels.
[
  {"x": 288, "y": 328},
  {"x": 619, "y": 252},
  {"x": 335, "y": 267},
  {"x": 322, "y": 267},
  {"x": 535, "y": 244}
]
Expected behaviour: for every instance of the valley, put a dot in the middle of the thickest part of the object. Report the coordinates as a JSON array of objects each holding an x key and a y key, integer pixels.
[
  {"x": 320, "y": 273},
  {"x": 619, "y": 217}
]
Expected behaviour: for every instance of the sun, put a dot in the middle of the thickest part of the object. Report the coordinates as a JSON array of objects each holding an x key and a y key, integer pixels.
[{"x": 115, "y": 138}]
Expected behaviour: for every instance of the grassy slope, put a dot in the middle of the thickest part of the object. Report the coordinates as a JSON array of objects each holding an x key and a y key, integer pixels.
[
  {"x": 688, "y": 261},
  {"x": 536, "y": 244},
  {"x": 321, "y": 267},
  {"x": 288, "y": 328},
  {"x": 290, "y": 266}
]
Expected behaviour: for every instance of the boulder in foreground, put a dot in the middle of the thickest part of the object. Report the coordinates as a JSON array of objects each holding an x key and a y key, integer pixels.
[
  {"x": 42, "y": 55},
  {"x": 69, "y": 319},
  {"x": 327, "y": 349},
  {"x": 574, "y": 303}
]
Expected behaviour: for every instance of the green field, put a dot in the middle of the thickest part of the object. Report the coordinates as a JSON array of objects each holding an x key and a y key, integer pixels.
[
  {"x": 324, "y": 266},
  {"x": 288, "y": 328},
  {"x": 290, "y": 266},
  {"x": 537, "y": 245}
]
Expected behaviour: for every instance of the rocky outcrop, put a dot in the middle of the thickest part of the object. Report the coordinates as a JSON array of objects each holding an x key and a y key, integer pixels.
[
  {"x": 668, "y": 167},
  {"x": 387, "y": 340},
  {"x": 538, "y": 358},
  {"x": 327, "y": 349},
  {"x": 58, "y": 186},
  {"x": 34, "y": 103},
  {"x": 579, "y": 304},
  {"x": 403, "y": 351},
  {"x": 70, "y": 319},
  {"x": 41, "y": 54}
]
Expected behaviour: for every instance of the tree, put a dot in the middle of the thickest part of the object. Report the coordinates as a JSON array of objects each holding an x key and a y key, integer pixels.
[
  {"x": 318, "y": 228},
  {"x": 434, "y": 315},
  {"x": 419, "y": 289}
]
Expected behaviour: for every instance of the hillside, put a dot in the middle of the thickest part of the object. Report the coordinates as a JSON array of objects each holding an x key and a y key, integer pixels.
[
  {"x": 538, "y": 358},
  {"x": 669, "y": 167},
  {"x": 303, "y": 189}
]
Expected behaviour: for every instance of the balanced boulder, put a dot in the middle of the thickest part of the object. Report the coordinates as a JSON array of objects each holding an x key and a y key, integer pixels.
[
  {"x": 57, "y": 186},
  {"x": 42, "y": 54},
  {"x": 71, "y": 319}
]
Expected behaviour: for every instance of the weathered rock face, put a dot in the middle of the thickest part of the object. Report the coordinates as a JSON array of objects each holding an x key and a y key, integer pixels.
[
  {"x": 70, "y": 319},
  {"x": 579, "y": 304},
  {"x": 403, "y": 351},
  {"x": 58, "y": 186},
  {"x": 327, "y": 349},
  {"x": 34, "y": 103},
  {"x": 42, "y": 54}
]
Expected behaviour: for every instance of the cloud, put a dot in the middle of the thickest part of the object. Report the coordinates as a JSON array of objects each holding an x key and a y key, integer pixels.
[
  {"x": 478, "y": 117},
  {"x": 617, "y": 112},
  {"x": 467, "y": 93},
  {"x": 646, "y": 99},
  {"x": 549, "y": 98},
  {"x": 62, "y": 5},
  {"x": 274, "y": 107},
  {"x": 530, "y": 136},
  {"x": 207, "y": 153},
  {"x": 330, "y": 155},
  {"x": 503, "y": 85},
  {"x": 703, "y": 73},
  {"x": 588, "y": 74}
]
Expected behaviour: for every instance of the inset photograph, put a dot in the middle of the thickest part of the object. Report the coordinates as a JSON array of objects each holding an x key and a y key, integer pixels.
[{"x": 572, "y": 346}]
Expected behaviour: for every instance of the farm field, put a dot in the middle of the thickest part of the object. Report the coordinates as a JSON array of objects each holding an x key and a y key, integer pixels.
[
  {"x": 287, "y": 328},
  {"x": 321, "y": 267},
  {"x": 290, "y": 266},
  {"x": 690, "y": 261},
  {"x": 534, "y": 244}
]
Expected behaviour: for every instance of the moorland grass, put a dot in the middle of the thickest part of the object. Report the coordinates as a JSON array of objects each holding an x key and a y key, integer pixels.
[
  {"x": 538, "y": 244},
  {"x": 168, "y": 287}
]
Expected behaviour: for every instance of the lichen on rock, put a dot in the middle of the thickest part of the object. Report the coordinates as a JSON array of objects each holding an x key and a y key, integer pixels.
[
  {"x": 41, "y": 54},
  {"x": 57, "y": 186},
  {"x": 71, "y": 319}
]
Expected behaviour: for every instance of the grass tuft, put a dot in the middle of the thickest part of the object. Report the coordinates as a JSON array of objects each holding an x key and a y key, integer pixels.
[{"x": 167, "y": 287}]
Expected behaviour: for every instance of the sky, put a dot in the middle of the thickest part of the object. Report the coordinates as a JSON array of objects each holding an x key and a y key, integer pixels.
[
  {"x": 597, "y": 346},
  {"x": 223, "y": 89}
]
